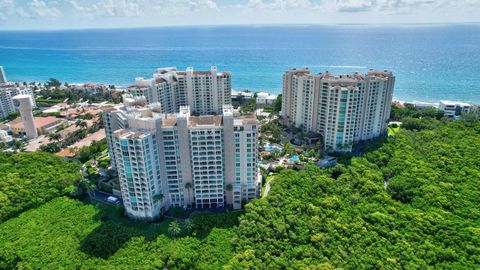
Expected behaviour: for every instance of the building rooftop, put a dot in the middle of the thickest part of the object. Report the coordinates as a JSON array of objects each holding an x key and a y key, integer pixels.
[
  {"x": 39, "y": 122},
  {"x": 455, "y": 103},
  {"x": 130, "y": 134},
  {"x": 205, "y": 120}
]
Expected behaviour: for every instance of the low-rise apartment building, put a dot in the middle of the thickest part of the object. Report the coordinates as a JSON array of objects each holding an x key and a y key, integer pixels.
[{"x": 454, "y": 108}]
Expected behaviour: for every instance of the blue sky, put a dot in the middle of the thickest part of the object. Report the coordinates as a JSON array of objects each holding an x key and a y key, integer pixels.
[{"x": 70, "y": 14}]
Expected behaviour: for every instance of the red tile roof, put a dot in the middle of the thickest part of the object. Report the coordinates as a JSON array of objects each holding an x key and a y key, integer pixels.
[{"x": 39, "y": 122}]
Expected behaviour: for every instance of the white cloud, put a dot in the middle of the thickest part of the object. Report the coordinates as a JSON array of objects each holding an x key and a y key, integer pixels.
[
  {"x": 392, "y": 6},
  {"x": 355, "y": 5},
  {"x": 121, "y": 13},
  {"x": 280, "y": 4},
  {"x": 180, "y": 7},
  {"x": 6, "y": 9},
  {"x": 110, "y": 8},
  {"x": 41, "y": 9}
]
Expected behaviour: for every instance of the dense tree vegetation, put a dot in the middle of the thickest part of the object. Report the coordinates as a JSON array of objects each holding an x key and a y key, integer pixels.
[
  {"x": 92, "y": 151},
  {"x": 271, "y": 131},
  {"x": 277, "y": 106},
  {"x": 30, "y": 179},
  {"x": 411, "y": 112},
  {"x": 412, "y": 204},
  {"x": 68, "y": 234}
]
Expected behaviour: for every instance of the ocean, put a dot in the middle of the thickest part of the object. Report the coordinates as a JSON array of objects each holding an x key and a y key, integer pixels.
[{"x": 431, "y": 62}]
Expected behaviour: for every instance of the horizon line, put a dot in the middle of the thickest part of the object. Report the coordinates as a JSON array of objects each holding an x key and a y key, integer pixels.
[{"x": 402, "y": 24}]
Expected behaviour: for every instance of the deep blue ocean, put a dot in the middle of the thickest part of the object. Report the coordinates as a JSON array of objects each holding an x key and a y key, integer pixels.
[{"x": 431, "y": 62}]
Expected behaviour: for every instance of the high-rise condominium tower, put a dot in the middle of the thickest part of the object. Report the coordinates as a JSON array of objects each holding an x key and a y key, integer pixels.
[
  {"x": 205, "y": 92},
  {"x": 344, "y": 109},
  {"x": 3, "y": 78},
  {"x": 179, "y": 159},
  {"x": 8, "y": 91}
]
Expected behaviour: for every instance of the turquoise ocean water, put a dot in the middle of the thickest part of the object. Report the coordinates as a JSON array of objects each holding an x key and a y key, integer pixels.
[{"x": 431, "y": 62}]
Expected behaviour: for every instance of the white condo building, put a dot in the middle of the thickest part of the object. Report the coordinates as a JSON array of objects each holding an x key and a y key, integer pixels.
[
  {"x": 179, "y": 159},
  {"x": 344, "y": 109},
  {"x": 7, "y": 92},
  {"x": 205, "y": 92},
  {"x": 454, "y": 108}
]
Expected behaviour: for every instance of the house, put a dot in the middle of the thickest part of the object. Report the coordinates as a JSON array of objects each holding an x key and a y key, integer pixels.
[
  {"x": 264, "y": 98},
  {"x": 454, "y": 108}
]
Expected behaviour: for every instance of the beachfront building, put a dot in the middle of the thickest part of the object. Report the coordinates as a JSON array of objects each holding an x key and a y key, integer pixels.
[
  {"x": 344, "y": 109},
  {"x": 179, "y": 159},
  {"x": 89, "y": 88},
  {"x": 7, "y": 92},
  {"x": 454, "y": 108},
  {"x": 264, "y": 98},
  {"x": 205, "y": 92}
]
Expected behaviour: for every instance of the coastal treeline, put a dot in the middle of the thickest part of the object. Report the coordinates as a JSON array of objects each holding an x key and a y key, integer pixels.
[{"x": 410, "y": 202}]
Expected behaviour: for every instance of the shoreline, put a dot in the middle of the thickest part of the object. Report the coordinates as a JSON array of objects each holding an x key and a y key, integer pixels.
[{"x": 270, "y": 91}]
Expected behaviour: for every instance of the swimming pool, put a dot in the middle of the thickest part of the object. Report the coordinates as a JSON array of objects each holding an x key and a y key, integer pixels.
[{"x": 272, "y": 149}]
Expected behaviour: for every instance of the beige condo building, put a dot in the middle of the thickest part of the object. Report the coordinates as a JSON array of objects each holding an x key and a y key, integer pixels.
[
  {"x": 205, "y": 92},
  {"x": 344, "y": 109},
  {"x": 179, "y": 159}
]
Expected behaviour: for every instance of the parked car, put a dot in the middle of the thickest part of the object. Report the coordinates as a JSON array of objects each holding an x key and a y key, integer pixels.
[{"x": 113, "y": 200}]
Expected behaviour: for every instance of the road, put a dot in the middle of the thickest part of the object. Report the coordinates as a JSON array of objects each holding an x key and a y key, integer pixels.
[
  {"x": 101, "y": 196},
  {"x": 267, "y": 189},
  {"x": 267, "y": 186}
]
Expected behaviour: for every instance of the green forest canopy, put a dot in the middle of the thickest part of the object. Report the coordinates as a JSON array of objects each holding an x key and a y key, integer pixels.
[
  {"x": 30, "y": 179},
  {"x": 411, "y": 204},
  {"x": 67, "y": 234}
]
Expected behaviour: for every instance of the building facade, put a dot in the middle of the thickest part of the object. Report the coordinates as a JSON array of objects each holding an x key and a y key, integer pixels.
[
  {"x": 344, "y": 109},
  {"x": 179, "y": 159},
  {"x": 205, "y": 92},
  {"x": 3, "y": 78},
  {"x": 454, "y": 108},
  {"x": 7, "y": 92}
]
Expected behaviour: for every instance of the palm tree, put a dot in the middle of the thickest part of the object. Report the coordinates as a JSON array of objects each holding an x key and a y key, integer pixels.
[
  {"x": 174, "y": 228},
  {"x": 80, "y": 123},
  {"x": 54, "y": 137},
  {"x": 188, "y": 224}
]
